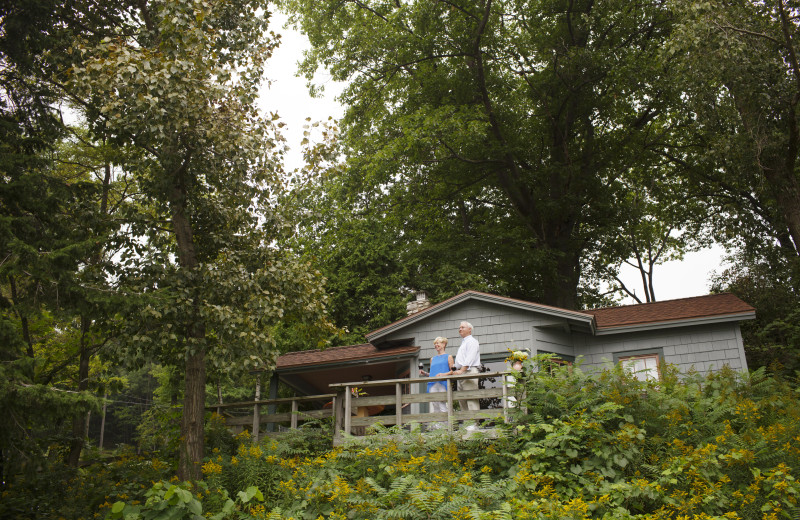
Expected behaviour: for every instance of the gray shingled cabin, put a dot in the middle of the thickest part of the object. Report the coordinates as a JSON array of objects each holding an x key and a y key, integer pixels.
[{"x": 700, "y": 333}]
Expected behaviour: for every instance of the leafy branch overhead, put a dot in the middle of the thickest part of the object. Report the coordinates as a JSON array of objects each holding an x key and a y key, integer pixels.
[
  {"x": 514, "y": 124},
  {"x": 192, "y": 261}
]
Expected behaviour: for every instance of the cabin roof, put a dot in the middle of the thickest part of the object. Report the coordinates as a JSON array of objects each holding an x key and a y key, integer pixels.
[
  {"x": 683, "y": 309},
  {"x": 608, "y": 320}
]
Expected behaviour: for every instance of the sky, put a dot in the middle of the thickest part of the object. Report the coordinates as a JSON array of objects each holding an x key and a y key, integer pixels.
[{"x": 288, "y": 95}]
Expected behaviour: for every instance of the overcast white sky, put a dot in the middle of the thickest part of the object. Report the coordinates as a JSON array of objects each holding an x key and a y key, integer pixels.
[{"x": 289, "y": 96}]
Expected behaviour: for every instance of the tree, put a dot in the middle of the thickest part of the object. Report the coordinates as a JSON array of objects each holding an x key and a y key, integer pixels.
[
  {"x": 202, "y": 278},
  {"x": 660, "y": 221},
  {"x": 739, "y": 69},
  {"x": 526, "y": 111},
  {"x": 55, "y": 204},
  {"x": 768, "y": 282}
]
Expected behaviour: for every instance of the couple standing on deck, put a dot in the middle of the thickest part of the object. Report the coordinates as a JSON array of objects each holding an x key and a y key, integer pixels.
[{"x": 468, "y": 360}]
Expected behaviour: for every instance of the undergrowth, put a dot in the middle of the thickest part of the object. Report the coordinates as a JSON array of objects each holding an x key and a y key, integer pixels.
[{"x": 581, "y": 445}]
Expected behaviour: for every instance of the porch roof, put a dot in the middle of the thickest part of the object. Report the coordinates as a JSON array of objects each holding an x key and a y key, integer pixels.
[
  {"x": 313, "y": 371},
  {"x": 333, "y": 356}
]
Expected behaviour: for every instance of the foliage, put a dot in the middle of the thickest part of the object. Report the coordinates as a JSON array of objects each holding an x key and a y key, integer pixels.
[
  {"x": 202, "y": 278},
  {"x": 359, "y": 258},
  {"x": 769, "y": 283},
  {"x": 581, "y": 445},
  {"x": 736, "y": 64},
  {"x": 498, "y": 137},
  {"x": 701, "y": 446},
  {"x": 65, "y": 492},
  {"x": 52, "y": 236}
]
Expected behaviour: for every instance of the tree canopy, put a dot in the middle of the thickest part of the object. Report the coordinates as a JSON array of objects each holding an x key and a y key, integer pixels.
[
  {"x": 189, "y": 254},
  {"x": 522, "y": 115}
]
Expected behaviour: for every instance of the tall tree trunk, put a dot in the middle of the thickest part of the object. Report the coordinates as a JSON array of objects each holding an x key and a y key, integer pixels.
[
  {"x": 23, "y": 320},
  {"x": 562, "y": 292},
  {"x": 79, "y": 420},
  {"x": 191, "y": 454},
  {"x": 787, "y": 194},
  {"x": 192, "y": 424},
  {"x": 103, "y": 422}
]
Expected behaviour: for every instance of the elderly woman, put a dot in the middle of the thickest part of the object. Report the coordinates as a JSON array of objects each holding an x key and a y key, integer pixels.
[{"x": 440, "y": 364}]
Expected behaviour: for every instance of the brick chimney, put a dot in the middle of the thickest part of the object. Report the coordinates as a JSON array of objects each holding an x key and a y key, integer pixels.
[{"x": 420, "y": 302}]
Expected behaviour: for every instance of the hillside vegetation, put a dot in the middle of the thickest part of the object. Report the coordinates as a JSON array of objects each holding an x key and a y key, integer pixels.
[{"x": 581, "y": 445}]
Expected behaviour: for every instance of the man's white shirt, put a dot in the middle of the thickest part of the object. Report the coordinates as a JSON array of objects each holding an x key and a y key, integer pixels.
[{"x": 468, "y": 354}]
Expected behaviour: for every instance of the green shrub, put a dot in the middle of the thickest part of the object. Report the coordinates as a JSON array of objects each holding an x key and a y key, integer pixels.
[{"x": 581, "y": 445}]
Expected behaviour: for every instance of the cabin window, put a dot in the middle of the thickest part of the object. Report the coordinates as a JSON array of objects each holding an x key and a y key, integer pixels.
[
  {"x": 558, "y": 360},
  {"x": 643, "y": 367}
]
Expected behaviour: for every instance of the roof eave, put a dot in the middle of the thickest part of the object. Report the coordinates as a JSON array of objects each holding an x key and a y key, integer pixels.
[{"x": 707, "y": 320}]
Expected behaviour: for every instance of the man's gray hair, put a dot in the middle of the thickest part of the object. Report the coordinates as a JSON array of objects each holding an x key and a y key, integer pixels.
[{"x": 468, "y": 325}]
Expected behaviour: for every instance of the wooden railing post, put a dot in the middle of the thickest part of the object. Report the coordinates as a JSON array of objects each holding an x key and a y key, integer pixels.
[
  {"x": 449, "y": 404},
  {"x": 293, "y": 420},
  {"x": 348, "y": 398},
  {"x": 398, "y": 403},
  {"x": 257, "y": 409},
  {"x": 338, "y": 415}
]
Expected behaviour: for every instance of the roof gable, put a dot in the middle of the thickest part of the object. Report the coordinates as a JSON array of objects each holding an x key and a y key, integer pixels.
[{"x": 575, "y": 317}]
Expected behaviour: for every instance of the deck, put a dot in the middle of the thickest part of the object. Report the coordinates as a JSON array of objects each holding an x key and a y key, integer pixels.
[{"x": 357, "y": 406}]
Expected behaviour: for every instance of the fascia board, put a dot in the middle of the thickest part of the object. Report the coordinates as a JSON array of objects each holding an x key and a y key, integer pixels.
[{"x": 624, "y": 329}]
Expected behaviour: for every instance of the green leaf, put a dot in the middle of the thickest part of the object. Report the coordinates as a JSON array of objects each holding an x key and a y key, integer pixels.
[{"x": 195, "y": 507}]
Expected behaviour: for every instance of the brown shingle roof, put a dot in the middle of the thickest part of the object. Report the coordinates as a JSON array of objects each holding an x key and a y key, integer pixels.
[
  {"x": 339, "y": 355},
  {"x": 709, "y": 306}
]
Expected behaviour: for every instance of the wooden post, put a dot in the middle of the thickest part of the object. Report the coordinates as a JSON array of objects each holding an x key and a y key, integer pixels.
[
  {"x": 449, "y": 404},
  {"x": 348, "y": 398},
  {"x": 413, "y": 373},
  {"x": 293, "y": 420},
  {"x": 256, "y": 408},
  {"x": 338, "y": 415},
  {"x": 398, "y": 403}
]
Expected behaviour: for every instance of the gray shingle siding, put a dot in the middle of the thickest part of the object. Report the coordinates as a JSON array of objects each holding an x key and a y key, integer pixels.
[
  {"x": 704, "y": 347},
  {"x": 499, "y": 328}
]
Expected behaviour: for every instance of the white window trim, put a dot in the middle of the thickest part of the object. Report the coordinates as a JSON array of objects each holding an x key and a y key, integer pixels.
[{"x": 649, "y": 373}]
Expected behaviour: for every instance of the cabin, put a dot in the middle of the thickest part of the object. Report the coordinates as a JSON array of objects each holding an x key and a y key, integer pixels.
[{"x": 379, "y": 381}]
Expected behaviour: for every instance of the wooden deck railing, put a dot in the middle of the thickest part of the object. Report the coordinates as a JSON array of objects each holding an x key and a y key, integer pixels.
[
  {"x": 257, "y": 417},
  {"x": 351, "y": 401}
]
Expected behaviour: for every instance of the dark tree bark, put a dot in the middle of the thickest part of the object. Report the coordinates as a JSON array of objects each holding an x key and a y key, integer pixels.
[{"x": 79, "y": 420}]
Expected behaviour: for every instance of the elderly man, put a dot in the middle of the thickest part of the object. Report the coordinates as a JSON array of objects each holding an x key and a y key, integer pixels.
[{"x": 468, "y": 360}]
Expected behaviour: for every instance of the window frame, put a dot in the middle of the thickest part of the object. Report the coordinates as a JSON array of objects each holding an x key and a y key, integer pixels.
[{"x": 657, "y": 354}]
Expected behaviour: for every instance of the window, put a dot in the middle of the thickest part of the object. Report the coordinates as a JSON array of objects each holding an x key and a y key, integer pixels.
[
  {"x": 643, "y": 367},
  {"x": 558, "y": 360}
]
